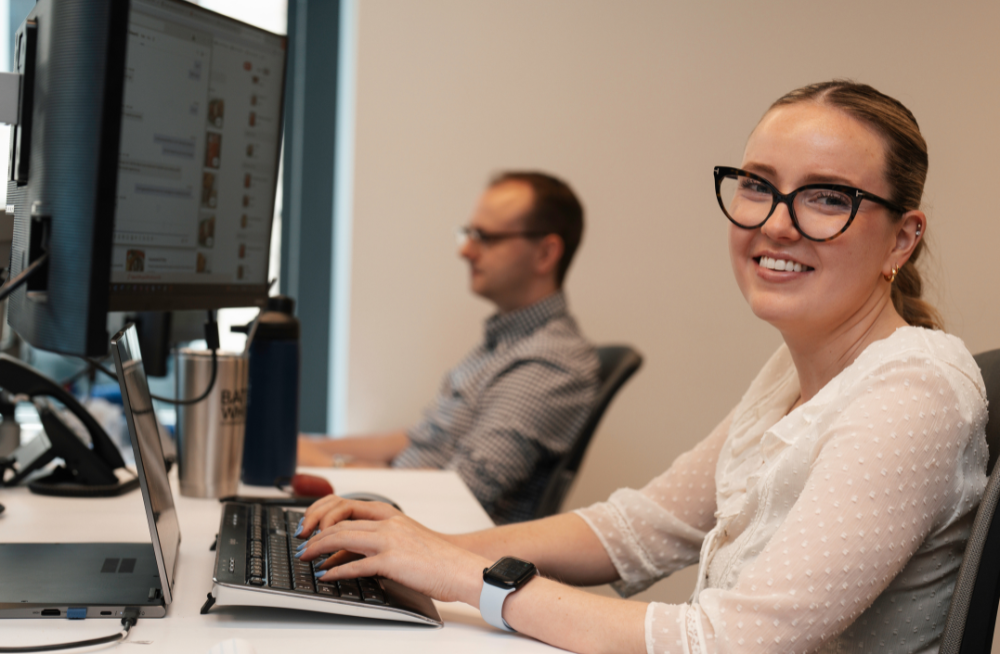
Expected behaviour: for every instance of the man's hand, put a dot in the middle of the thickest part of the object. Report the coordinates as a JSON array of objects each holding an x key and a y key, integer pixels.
[{"x": 312, "y": 455}]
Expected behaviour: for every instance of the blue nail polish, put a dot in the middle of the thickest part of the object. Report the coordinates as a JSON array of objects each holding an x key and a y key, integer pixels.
[
  {"x": 301, "y": 546},
  {"x": 320, "y": 573},
  {"x": 298, "y": 530},
  {"x": 299, "y": 554}
]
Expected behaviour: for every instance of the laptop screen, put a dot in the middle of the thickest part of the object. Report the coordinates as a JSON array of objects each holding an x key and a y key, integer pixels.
[{"x": 144, "y": 432}]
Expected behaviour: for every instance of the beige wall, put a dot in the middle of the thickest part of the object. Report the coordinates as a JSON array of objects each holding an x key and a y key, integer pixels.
[{"x": 633, "y": 103}]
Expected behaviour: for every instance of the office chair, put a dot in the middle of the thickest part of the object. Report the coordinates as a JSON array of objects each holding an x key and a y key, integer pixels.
[
  {"x": 973, "y": 611},
  {"x": 618, "y": 364}
]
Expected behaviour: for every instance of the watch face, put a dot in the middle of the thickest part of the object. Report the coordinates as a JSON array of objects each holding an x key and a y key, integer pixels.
[{"x": 509, "y": 572}]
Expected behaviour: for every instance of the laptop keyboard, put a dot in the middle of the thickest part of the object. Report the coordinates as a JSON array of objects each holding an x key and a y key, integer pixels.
[{"x": 256, "y": 548}]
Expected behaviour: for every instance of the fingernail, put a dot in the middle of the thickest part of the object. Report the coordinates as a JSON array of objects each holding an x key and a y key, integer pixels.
[
  {"x": 301, "y": 546},
  {"x": 299, "y": 554},
  {"x": 320, "y": 573},
  {"x": 298, "y": 530}
]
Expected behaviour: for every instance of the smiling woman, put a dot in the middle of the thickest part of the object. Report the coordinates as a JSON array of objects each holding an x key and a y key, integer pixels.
[{"x": 829, "y": 510}]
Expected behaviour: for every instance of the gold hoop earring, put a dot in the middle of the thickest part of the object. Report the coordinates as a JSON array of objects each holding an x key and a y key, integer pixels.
[{"x": 892, "y": 276}]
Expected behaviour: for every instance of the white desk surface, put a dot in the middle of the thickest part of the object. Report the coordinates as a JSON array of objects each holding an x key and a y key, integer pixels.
[{"x": 438, "y": 499}]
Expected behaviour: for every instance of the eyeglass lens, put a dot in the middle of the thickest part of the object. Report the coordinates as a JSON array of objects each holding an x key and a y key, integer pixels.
[{"x": 820, "y": 213}]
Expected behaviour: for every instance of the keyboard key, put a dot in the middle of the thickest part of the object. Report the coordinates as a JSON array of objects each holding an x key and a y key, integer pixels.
[
  {"x": 371, "y": 591},
  {"x": 349, "y": 589},
  {"x": 327, "y": 589},
  {"x": 304, "y": 584}
]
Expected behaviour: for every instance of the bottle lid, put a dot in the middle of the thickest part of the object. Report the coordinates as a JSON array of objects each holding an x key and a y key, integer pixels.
[{"x": 281, "y": 304}]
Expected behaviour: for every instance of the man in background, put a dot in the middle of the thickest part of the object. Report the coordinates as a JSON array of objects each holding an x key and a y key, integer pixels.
[{"x": 513, "y": 407}]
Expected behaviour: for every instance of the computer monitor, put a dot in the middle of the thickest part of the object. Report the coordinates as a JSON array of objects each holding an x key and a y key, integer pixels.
[{"x": 145, "y": 163}]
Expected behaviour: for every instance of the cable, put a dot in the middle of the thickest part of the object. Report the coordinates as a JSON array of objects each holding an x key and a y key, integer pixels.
[
  {"x": 211, "y": 385},
  {"x": 211, "y": 338},
  {"x": 127, "y": 622},
  {"x": 23, "y": 276}
]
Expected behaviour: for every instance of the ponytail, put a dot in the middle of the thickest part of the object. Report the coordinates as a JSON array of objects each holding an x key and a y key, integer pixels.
[{"x": 906, "y": 291}]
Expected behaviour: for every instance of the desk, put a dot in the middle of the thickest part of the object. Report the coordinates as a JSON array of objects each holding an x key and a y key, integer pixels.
[{"x": 438, "y": 499}]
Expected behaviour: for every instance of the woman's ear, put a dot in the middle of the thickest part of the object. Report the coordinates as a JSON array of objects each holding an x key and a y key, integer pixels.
[{"x": 909, "y": 231}]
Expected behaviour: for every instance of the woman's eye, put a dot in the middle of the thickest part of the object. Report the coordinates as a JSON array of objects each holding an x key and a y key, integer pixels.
[
  {"x": 829, "y": 200},
  {"x": 748, "y": 185}
]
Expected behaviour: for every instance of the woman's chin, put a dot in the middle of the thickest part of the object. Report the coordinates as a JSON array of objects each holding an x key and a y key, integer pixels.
[{"x": 782, "y": 316}]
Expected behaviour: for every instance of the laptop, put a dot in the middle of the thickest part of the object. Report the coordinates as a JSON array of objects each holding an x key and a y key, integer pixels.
[
  {"x": 254, "y": 565},
  {"x": 100, "y": 580}
]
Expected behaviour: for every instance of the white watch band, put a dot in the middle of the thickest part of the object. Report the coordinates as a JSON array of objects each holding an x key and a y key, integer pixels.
[{"x": 491, "y": 605}]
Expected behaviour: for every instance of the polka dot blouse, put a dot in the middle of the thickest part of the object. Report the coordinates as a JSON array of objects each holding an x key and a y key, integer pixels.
[{"x": 837, "y": 527}]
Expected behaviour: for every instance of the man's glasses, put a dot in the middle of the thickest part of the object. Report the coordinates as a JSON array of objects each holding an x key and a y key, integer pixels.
[
  {"x": 820, "y": 212},
  {"x": 480, "y": 237}
]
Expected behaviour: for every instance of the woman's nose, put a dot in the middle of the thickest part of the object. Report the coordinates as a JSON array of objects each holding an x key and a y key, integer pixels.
[{"x": 780, "y": 226}]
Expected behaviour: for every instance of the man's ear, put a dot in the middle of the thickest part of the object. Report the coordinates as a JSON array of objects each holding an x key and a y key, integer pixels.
[
  {"x": 550, "y": 251},
  {"x": 910, "y": 229}
]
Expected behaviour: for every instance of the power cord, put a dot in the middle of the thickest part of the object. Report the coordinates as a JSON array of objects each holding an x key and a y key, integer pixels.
[
  {"x": 211, "y": 339},
  {"x": 131, "y": 617},
  {"x": 10, "y": 286}
]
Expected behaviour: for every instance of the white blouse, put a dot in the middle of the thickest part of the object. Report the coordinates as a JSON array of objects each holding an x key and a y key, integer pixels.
[{"x": 837, "y": 527}]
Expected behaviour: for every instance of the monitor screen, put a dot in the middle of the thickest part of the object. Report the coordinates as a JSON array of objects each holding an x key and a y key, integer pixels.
[
  {"x": 198, "y": 160},
  {"x": 144, "y": 165}
]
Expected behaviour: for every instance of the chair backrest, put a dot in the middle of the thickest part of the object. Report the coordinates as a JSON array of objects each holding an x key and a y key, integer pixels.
[
  {"x": 618, "y": 363},
  {"x": 973, "y": 612}
]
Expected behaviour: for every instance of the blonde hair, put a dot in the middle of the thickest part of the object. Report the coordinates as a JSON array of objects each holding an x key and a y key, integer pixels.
[{"x": 905, "y": 172}]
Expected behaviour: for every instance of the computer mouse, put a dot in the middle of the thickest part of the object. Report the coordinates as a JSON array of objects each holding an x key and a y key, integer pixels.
[
  {"x": 371, "y": 497},
  {"x": 232, "y": 646}
]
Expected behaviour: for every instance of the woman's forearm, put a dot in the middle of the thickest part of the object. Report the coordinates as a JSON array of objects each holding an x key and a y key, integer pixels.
[{"x": 563, "y": 547}]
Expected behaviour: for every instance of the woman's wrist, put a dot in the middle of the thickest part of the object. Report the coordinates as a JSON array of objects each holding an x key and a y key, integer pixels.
[{"x": 472, "y": 579}]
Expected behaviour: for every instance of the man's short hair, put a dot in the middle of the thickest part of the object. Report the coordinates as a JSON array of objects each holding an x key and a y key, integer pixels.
[{"x": 555, "y": 210}]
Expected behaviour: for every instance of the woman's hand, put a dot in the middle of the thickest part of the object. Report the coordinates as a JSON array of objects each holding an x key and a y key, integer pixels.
[
  {"x": 371, "y": 538},
  {"x": 332, "y": 509}
]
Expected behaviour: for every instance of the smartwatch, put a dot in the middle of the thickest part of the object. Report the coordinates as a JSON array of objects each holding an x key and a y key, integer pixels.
[{"x": 500, "y": 580}]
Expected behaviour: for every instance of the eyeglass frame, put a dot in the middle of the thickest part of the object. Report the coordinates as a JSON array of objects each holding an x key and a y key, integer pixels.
[
  {"x": 777, "y": 197},
  {"x": 485, "y": 238}
]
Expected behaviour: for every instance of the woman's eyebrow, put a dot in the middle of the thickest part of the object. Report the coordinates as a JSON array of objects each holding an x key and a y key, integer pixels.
[
  {"x": 816, "y": 178},
  {"x": 771, "y": 173},
  {"x": 763, "y": 170}
]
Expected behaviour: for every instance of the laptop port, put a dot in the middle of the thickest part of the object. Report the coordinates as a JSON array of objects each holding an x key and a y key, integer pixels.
[
  {"x": 105, "y": 612},
  {"x": 51, "y": 612}
]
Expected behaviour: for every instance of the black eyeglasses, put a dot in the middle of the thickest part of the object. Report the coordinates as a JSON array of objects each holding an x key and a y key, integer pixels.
[
  {"x": 820, "y": 212},
  {"x": 478, "y": 236}
]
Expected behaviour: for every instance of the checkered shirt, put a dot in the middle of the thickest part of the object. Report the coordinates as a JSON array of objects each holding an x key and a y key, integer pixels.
[{"x": 507, "y": 413}]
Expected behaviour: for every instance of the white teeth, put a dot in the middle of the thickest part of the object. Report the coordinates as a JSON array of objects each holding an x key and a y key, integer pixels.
[{"x": 780, "y": 264}]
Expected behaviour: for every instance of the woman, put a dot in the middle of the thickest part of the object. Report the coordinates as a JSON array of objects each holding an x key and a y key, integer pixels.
[{"x": 830, "y": 508}]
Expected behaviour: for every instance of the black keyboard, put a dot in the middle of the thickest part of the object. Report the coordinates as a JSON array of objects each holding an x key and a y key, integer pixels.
[{"x": 256, "y": 548}]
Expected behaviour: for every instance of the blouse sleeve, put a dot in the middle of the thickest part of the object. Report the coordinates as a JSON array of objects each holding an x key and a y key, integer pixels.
[
  {"x": 653, "y": 532},
  {"x": 888, "y": 473}
]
